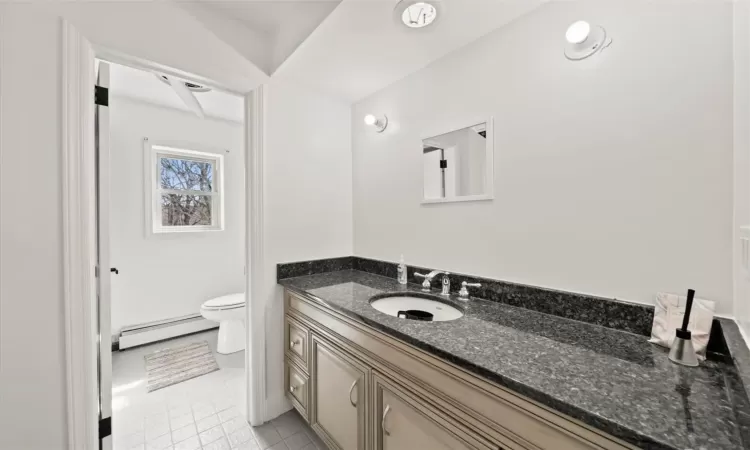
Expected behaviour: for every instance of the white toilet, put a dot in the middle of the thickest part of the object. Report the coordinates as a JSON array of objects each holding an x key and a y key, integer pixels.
[{"x": 229, "y": 311}]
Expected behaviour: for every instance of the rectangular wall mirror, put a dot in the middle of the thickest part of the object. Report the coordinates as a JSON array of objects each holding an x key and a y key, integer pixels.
[{"x": 458, "y": 165}]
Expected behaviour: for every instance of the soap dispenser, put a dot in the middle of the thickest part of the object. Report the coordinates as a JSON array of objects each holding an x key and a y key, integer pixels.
[{"x": 402, "y": 271}]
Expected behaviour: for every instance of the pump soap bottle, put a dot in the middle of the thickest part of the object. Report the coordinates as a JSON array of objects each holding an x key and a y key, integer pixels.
[{"x": 402, "y": 271}]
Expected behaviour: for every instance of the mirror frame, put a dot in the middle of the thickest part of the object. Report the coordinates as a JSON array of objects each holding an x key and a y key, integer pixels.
[{"x": 489, "y": 178}]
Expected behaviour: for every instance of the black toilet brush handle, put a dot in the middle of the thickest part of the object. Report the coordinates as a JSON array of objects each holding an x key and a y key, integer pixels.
[{"x": 688, "y": 307}]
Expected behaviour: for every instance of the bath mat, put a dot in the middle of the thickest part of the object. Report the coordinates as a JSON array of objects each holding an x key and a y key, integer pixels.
[{"x": 175, "y": 365}]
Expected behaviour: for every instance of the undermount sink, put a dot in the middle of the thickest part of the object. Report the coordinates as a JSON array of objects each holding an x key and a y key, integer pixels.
[{"x": 416, "y": 307}]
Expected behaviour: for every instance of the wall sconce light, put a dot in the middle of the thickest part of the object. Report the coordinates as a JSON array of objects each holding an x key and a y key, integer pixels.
[
  {"x": 584, "y": 40},
  {"x": 379, "y": 124}
]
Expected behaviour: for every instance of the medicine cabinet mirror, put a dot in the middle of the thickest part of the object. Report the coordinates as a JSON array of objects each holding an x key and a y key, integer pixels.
[{"x": 458, "y": 165}]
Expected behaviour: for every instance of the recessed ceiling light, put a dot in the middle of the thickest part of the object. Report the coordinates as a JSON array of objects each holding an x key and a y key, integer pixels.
[{"x": 417, "y": 14}]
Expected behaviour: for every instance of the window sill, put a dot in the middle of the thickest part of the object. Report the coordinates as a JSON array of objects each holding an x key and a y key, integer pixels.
[{"x": 186, "y": 230}]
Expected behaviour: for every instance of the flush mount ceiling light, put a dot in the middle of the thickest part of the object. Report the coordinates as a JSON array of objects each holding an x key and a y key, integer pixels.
[
  {"x": 192, "y": 86},
  {"x": 379, "y": 124},
  {"x": 584, "y": 40},
  {"x": 417, "y": 14},
  {"x": 186, "y": 92}
]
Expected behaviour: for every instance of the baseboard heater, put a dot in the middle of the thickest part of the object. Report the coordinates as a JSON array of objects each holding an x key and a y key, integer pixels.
[{"x": 146, "y": 333}]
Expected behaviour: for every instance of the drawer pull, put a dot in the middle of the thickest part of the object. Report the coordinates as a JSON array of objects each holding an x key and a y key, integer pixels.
[
  {"x": 351, "y": 389},
  {"x": 295, "y": 343},
  {"x": 293, "y": 389},
  {"x": 382, "y": 422}
]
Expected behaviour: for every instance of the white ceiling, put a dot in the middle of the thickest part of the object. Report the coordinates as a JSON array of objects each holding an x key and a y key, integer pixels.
[
  {"x": 264, "y": 31},
  {"x": 360, "y": 49},
  {"x": 349, "y": 49},
  {"x": 145, "y": 86}
]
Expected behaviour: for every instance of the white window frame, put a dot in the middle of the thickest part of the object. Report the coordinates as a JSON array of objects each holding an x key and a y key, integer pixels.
[{"x": 154, "y": 151}]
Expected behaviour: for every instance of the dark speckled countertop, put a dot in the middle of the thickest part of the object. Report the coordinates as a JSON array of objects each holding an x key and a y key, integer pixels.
[{"x": 612, "y": 380}]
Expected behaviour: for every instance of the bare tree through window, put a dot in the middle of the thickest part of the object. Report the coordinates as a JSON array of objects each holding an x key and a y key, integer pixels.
[{"x": 189, "y": 208}]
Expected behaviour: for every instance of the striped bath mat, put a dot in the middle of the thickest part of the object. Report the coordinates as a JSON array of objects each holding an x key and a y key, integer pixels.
[{"x": 175, "y": 365}]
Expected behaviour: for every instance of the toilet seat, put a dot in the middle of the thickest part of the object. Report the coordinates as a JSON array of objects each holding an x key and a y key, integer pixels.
[
  {"x": 231, "y": 301},
  {"x": 229, "y": 311}
]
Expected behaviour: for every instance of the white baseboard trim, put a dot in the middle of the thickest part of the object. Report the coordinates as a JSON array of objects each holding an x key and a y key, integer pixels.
[{"x": 147, "y": 333}]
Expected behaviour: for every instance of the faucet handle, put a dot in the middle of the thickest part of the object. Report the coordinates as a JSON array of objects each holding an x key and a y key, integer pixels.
[
  {"x": 464, "y": 292},
  {"x": 426, "y": 284}
]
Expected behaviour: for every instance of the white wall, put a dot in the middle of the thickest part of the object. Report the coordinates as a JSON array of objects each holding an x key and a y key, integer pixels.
[
  {"x": 308, "y": 198},
  {"x": 32, "y": 360},
  {"x": 613, "y": 175},
  {"x": 187, "y": 45},
  {"x": 32, "y": 346},
  {"x": 168, "y": 276},
  {"x": 741, "y": 159}
]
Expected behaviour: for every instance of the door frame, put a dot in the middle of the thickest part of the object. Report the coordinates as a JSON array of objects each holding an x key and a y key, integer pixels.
[{"x": 79, "y": 235}]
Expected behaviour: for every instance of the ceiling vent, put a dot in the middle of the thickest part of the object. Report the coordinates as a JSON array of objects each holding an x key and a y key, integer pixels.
[{"x": 192, "y": 86}]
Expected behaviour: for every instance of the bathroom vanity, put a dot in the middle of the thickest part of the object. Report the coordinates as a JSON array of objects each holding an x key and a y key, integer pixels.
[{"x": 500, "y": 377}]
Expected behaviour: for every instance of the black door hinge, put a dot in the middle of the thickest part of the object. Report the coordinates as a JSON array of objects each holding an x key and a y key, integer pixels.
[
  {"x": 101, "y": 96},
  {"x": 105, "y": 428},
  {"x": 443, "y": 163}
]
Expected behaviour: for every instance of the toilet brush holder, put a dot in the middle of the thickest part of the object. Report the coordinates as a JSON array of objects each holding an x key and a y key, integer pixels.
[{"x": 682, "y": 350}]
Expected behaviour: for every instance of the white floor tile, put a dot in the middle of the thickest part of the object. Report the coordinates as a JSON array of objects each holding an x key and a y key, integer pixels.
[
  {"x": 183, "y": 433},
  {"x": 159, "y": 443},
  {"x": 181, "y": 421},
  {"x": 249, "y": 445},
  {"x": 288, "y": 424},
  {"x": 154, "y": 431},
  {"x": 192, "y": 443},
  {"x": 297, "y": 441},
  {"x": 240, "y": 436},
  {"x": 208, "y": 422},
  {"x": 266, "y": 435},
  {"x": 235, "y": 424},
  {"x": 178, "y": 412},
  {"x": 228, "y": 414},
  {"x": 221, "y": 444},
  {"x": 211, "y": 435}
]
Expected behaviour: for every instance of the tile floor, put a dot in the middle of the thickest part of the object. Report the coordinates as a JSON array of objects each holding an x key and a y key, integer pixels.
[{"x": 202, "y": 413}]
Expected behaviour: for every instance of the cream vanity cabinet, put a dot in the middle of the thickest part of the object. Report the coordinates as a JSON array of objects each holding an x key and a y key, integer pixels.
[
  {"x": 339, "y": 386},
  {"x": 361, "y": 389}
]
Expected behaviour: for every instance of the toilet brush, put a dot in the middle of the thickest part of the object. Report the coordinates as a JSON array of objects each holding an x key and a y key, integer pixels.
[{"x": 682, "y": 351}]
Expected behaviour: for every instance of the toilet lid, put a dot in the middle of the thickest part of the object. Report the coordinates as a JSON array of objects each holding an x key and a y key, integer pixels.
[{"x": 226, "y": 301}]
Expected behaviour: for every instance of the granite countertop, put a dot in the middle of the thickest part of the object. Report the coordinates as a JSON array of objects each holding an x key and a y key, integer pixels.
[{"x": 612, "y": 380}]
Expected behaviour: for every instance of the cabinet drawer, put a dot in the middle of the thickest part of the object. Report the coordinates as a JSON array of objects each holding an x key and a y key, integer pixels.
[
  {"x": 297, "y": 389},
  {"x": 404, "y": 421},
  {"x": 297, "y": 340}
]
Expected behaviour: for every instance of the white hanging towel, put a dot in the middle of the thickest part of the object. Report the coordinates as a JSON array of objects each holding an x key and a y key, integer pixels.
[{"x": 670, "y": 309}]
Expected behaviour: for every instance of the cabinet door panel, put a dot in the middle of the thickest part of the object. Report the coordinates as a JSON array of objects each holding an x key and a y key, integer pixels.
[
  {"x": 339, "y": 404},
  {"x": 406, "y": 423}
]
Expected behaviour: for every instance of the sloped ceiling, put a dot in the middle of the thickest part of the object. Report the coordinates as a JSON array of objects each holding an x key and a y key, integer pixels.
[
  {"x": 266, "y": 32},
  {"x": 360, "y": 48}
]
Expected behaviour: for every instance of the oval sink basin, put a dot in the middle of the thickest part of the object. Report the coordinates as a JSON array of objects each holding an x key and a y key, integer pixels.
[{"x": 408, "y": 306}]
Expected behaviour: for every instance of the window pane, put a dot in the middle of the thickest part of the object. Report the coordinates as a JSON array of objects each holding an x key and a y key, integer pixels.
[
  {"x": 185, "y": 210},
  {"x": 185, "y": 174}
]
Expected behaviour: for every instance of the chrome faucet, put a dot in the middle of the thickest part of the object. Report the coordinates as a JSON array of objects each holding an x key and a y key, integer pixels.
[
  {"x": 464, "y": 292},
  {"x": 427, "y": 283},
  {"x": 446, "y": 284}
]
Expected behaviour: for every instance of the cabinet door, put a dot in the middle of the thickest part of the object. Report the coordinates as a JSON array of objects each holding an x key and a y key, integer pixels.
[
  {"x": 339, "y": 396},
  {"x": 402, "y": 421}
]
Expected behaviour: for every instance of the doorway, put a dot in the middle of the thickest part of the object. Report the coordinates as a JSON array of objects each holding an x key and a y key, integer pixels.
[{"x": 171, "y": 257}]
